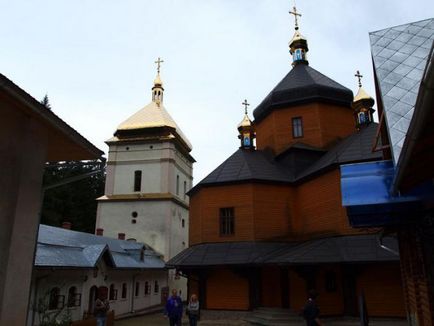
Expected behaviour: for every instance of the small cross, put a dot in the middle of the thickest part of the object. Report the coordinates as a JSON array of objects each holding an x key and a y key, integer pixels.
[
  {"x": 158, "y": 62},
  {"x": 245, "y": 105},
  {"x": 359, "y": 77},
  {"x": 295, "y": 13}
]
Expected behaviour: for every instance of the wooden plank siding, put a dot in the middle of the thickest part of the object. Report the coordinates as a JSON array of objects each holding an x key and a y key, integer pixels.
[
  {"x": 323, "y": 125},
  {"x": 271, "y": 287},
  {"x": 381, "y": 285},
  {"x": 318, "y": 208},
  {"x": 226, "y": 290}
]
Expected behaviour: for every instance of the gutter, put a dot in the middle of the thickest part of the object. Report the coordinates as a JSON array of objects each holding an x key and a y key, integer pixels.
[{"x": 424, "y": 104}]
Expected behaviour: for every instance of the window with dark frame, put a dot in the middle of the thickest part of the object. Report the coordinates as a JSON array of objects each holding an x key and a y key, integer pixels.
[
  {"x": 330, "y": 282},
  {"x": 297, "y": 127},
  {"x": 124, "y": 290},
  {"x": 74, "y": 298},
  {"x": 56, "y": 301},
  {"x": 137, "y": 289},
  {"x": 227, "y": 223},
  {"x": 177, "y": 184},
  {"x": 113, "y": 293},
  {"x": 156, "y": 287},
  {"x": 147, "y": 288},
  {"x": 137, "y": 180}
]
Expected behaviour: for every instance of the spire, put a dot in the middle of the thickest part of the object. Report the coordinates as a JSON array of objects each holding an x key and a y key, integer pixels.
[
  {"x": 157, "y": 89},
  {"x": 298, "y": 44},
  {"x": 362, "y": 105},
  {"x": 246, "y": 130}
]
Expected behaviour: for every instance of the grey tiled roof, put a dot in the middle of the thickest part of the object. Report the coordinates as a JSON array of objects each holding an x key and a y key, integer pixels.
[
  {"x": 248, "y": 165},
  {"x": 62, "y": 248},
  {"x": 342, "y": 249},
  {"x": 303, "y": 84},
  {"x": 400, "y": 54}
]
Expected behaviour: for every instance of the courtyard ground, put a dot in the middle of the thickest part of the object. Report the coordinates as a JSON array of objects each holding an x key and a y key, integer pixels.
[{"x": 224, "y": 318}]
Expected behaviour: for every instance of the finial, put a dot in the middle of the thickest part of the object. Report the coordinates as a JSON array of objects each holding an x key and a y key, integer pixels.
[
  {"x": 245, "y": 106},
  {"x": 158, "y": 62},
  {"x": 359, "y": 77},
  {"x": 295, "y": 13}
]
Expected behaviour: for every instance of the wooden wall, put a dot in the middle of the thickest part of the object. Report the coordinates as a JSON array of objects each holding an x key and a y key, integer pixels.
[
  {"x": 382, "y": 286},
  {"x": 271, "y": 287},
  {"x": 323, "y": 124},
  {"x": 226, "y": 290}
]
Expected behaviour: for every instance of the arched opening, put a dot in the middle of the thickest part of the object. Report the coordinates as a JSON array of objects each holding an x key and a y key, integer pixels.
[
  {"x": 53, "y": 302},
  {"x": 93, "y": 293},
  {"x": 72, "y": 297}
]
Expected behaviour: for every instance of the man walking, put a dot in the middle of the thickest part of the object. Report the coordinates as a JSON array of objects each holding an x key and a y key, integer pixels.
[
  {"x": 174, "y": 309},
  {"x": 311, "y": 310}
]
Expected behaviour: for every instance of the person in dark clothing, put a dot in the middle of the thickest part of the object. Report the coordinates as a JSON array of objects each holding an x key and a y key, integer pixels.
[
  {"x": 311, "y": 310},
  {"x": 174, "y": 309}
]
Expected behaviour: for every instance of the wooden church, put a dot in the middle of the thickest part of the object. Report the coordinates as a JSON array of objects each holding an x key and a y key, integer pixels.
[{"x": 267, "y": 225}]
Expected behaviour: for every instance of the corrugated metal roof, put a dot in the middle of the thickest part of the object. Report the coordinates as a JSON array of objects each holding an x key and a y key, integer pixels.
[
  {"x": 400, "y": 55},
  {"x": 64, "y": 248}
]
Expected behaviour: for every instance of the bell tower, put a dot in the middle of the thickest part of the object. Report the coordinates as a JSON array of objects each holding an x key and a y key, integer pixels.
[
  {"x": 362, "y": 106},
  {"x": 246, "y": 130}
]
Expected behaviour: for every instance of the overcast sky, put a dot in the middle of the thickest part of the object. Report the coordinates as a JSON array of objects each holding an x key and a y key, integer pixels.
[{"x": 95, "y": 59}]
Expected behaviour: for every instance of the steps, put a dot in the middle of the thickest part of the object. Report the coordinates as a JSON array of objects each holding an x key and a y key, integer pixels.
[{"x": 274, "y": 317}]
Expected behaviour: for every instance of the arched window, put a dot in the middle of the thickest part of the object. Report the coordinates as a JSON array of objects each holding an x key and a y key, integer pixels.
[
  {"x": 124, "y": 290},
  {"x": 147, "y": 288},
  {"x": 113, "y": 293},
  {"x": 183, "y": 223},
  {"x": 54, "y": 301},
  {"x": 156, "y": 287},
  {"x": 137, "y": 289},
  {"x": 74, "y": 298}
]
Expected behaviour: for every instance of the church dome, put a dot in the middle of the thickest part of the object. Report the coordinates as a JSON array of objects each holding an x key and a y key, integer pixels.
[
  {"x": 363, "y": 96},
  {"x": 301, "y": 85}
]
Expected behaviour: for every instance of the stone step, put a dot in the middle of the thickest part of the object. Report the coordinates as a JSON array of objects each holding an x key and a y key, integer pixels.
[{"x": 273, "y": 317}]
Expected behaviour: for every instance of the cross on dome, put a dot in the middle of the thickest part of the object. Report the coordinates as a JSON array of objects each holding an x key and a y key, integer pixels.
[
  {"x": 158, "y": 62},
  {"x": 296, "y": 15},
  {"x": 245, "y": 106},
  {"x": 359, "y": 77}
]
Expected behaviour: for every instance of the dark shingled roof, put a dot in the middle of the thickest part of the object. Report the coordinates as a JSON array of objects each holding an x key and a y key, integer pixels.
[
  {"x": 341, "y": 249},
  {"x": 303, "y": 84},
  {"x": 251, "y": 165}
]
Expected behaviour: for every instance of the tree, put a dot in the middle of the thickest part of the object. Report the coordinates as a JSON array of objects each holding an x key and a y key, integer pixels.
[
  {"x": 45, "y": 102},
  {"x": 75, "y": 200}
]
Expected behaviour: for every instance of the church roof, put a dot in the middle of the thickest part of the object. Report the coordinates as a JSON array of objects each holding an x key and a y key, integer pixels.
[
  {"x": 152, "y": 115},
  {"x": 62, "y": 248},
  {"x": 400, "y": 56},
  {"x": 340, "y": 249},
  {"x": 258, "y": 165},
  {"x": 303, "y": 84}
]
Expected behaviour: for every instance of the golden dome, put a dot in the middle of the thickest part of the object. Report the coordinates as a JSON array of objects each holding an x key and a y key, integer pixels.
[
  {"x": 297, "y": 37},
  {"x": 362, "y": 95},
  {"x": 246, "y": 122},
  {"x": 157, "y": 81}
]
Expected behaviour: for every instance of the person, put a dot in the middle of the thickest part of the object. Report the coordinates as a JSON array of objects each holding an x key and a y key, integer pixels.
[
  {"x": 102, "y": 306},
  {"x": 174, "y": 309},
  {"x": 311, "y": 310},
  {"x": 193, "y": 310}
]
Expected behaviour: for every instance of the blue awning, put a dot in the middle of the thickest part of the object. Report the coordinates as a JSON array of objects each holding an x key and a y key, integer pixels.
[{"x": 366, "y": 195}]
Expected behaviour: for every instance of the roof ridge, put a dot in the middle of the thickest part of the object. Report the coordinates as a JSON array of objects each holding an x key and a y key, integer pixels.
[{"x": 405, "y": 24}]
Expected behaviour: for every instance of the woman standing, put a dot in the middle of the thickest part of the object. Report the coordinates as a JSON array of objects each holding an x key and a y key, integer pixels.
[{"x": 193, "y": 310}]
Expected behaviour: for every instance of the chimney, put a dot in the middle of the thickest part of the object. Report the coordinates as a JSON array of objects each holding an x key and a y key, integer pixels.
[
  {"x": 99, "y": 231},
  {"x": 67, "y": 225},
  {"x": 121, "y": 236}
]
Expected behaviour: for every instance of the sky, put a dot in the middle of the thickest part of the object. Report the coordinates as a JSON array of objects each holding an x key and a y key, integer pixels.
[{"x": 95, "y": 59}]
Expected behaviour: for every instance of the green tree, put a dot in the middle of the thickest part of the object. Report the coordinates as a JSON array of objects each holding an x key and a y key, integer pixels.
[
  {"x": 70, "y": 194},
  {"x": 46, "y": 102}
]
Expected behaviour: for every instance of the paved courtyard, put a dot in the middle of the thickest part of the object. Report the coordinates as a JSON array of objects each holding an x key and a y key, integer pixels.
[{"x": 223, "y": 318}]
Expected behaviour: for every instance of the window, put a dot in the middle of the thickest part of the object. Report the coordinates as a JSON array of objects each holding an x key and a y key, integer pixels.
[
  {"x": 137, "y": 180},
  {"x": 177, "y": 184},
  {"x": 137, "y": 289},
  {"x": 297, "y": 127},
  {"x": 147, "y": 288},
  {"x": 185, "y": 188},
  {"x": 330, "y": 282},
  {"x": 227, "y": 226},
  {"x": 113, "y": 293},
  {"x": 183, "y": 223},
  {"x": 56, "y": 300},
  {"x": 156, "y": 287},
  {"x": 124, "y": 290},
  {"x": 74, "y": 298}
]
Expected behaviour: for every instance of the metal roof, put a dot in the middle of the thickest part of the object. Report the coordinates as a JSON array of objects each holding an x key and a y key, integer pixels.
[
  {"x": 342, "y": 249},
  {"x": 303, "y": 84},
  {"x": 62, "y": 248},
  {"x": 400, "y": 55}
]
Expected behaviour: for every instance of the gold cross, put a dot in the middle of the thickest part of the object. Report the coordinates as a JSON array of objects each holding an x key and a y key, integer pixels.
[
  {"x": 245, "y": 105},
  {"x": 295, "y": 13},
  {"x": 158, "y": 62},
  {"x": 359, "y": 77}
]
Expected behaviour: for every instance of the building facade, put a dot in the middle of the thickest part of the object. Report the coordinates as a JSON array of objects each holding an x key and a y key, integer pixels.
[
  {"x": 149, "y": 171},
  {"x": 72, "y": 267},
  {"x": 267, "y": 225}
]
